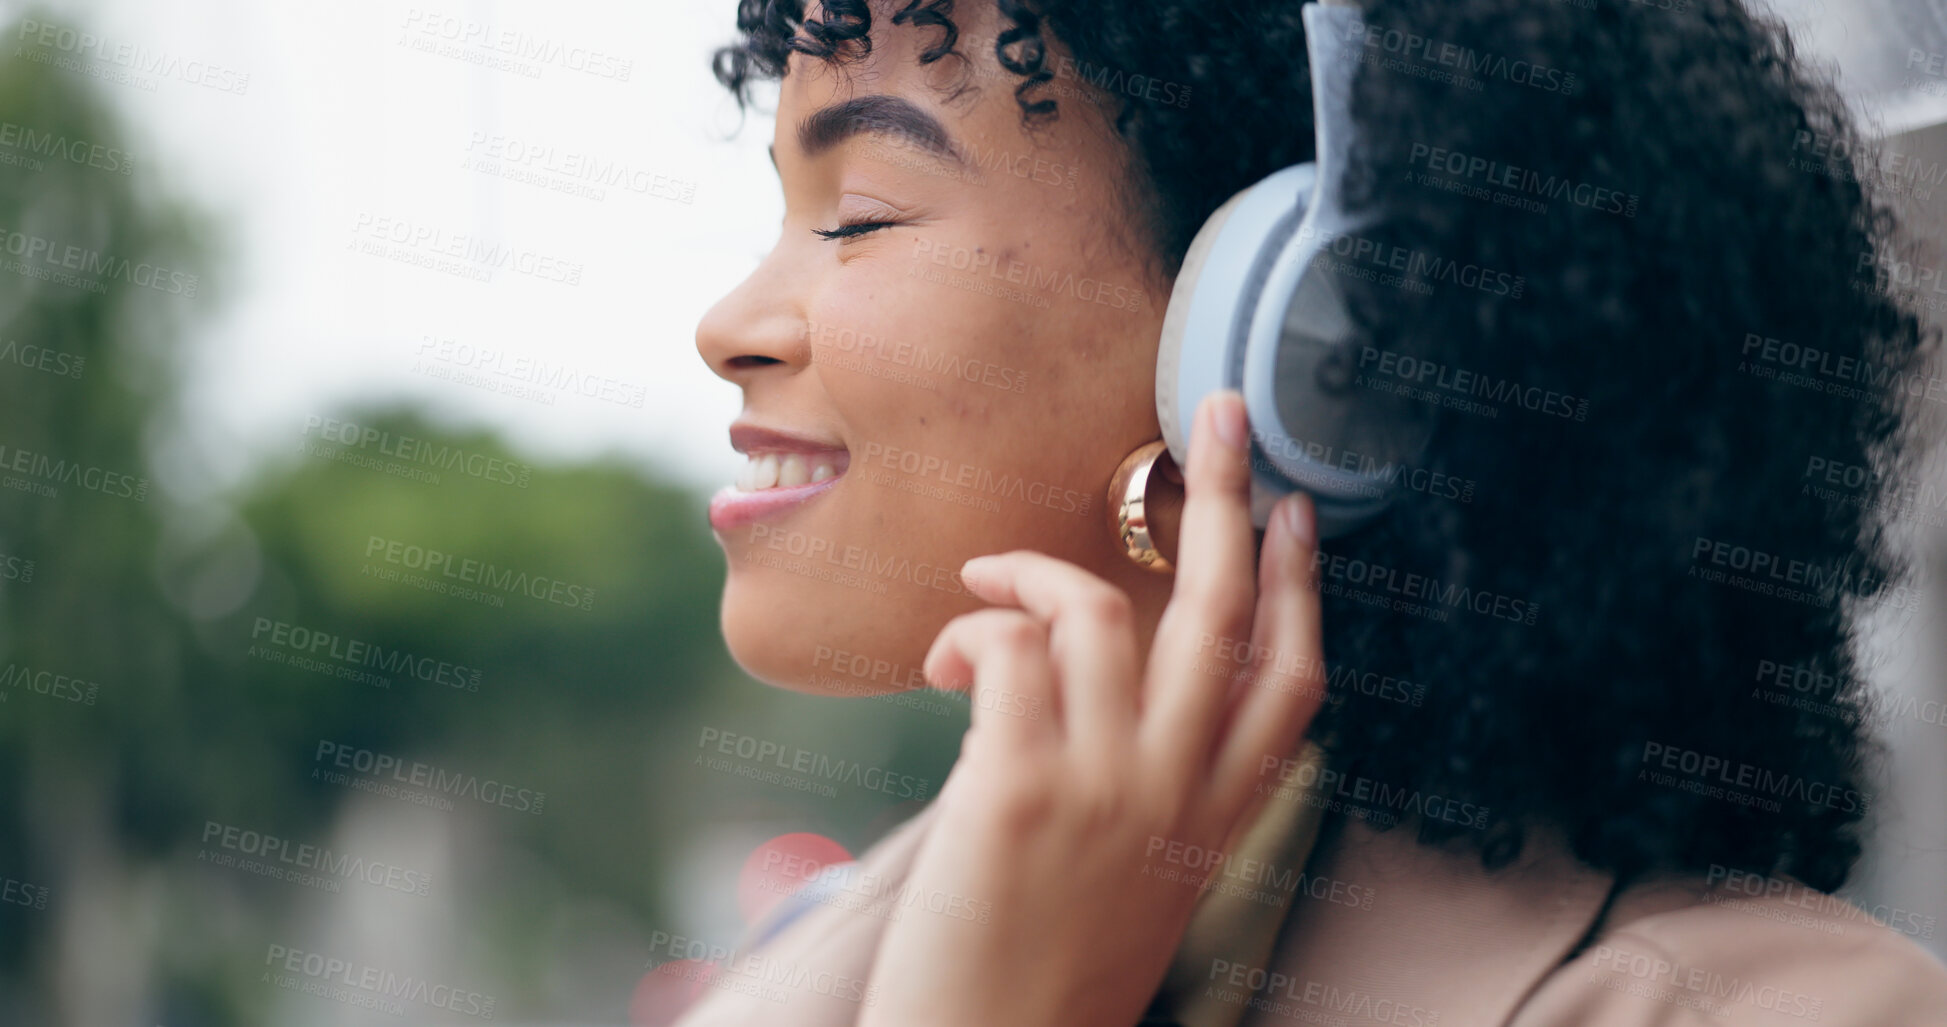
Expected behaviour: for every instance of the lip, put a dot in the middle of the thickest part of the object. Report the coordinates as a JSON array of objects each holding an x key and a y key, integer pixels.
[
  {"x": 748, "y": 435},
  {"x": 731, "y": 508}
]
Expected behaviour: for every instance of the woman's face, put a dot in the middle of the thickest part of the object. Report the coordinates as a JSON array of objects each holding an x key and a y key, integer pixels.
[{"x": 957, "y": 373}]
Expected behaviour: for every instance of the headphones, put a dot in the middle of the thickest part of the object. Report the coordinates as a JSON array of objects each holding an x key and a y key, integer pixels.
[{"x": 1258, "y": 307}]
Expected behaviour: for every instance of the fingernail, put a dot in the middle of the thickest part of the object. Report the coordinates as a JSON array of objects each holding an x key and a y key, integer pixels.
[
  {"x": 970, "y": 570},
  {"x": 1228, "y": 417},
  {"x": 1300, "y": 519}
]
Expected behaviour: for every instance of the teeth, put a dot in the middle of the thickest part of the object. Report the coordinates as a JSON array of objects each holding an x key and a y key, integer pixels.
[
  {"x": 785, "y": 470},
  {"x": 792, "y": 472}
]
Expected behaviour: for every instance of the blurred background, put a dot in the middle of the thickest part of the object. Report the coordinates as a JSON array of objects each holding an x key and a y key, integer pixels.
[{"x": 356, "y": 597}]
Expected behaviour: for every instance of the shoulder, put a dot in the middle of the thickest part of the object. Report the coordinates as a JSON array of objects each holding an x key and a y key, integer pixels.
[
  {"x": 856, "y": 886},
  {"x": 1777, "y": 953},
  {"x": 807, "y": 962}
]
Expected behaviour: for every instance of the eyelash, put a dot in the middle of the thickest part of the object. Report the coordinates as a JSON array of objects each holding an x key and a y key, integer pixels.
[{"x": 852, "y": 231}]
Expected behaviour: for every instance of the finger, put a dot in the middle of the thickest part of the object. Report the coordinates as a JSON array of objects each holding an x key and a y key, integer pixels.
[
  {"x": 1287, "y": 683},
  {"x": 1091, "y": 638},
  {"x": 1214, "y": 592},
  {"x": 1000, "y": 659}
]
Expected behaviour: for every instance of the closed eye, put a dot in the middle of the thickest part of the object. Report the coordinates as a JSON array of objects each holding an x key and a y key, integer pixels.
[{"x": 852, "y": 231}]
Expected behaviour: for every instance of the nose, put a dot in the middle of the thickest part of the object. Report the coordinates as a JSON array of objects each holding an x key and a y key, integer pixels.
[{"x": 758, "y": 328}]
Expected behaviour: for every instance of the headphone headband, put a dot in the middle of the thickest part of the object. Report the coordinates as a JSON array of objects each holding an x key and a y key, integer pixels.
[{"x": 1258, "y": 307}]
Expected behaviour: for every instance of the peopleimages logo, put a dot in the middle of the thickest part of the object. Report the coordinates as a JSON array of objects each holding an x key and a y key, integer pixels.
[
  {"x": 1505, "y": 391},
  {"x": 271, "y": 856},
  {"x": 427, "y": 454},
  {"x": 753, "y": 974},
  {"x": 978, "y": 480},
  {"x": 1835, "y": 373},
  {"x": 759, "y": 754},
  {"x": 510, "y": 373},
  {"x": 1264, "y": 666},
  {"x": 1829, "y": 913},
  {"x": 1214, "y": 869},
  {"x": 40, "y": 358},
  {"x": 1115, "y": 81},
  {"x": 1381, "y": 475},
  {"x": 85, "y": 268},
  {"x": 16, "y": 568},
  {"x": 478, "y": 572},
  {"x": 41, "y": 473},
  {"x": 15, "y": 892},
  {"x": 922, "y": 359},
  {"x": 455, "y": 253},
  {"x": 450, "y": 35},
  {"x": 1787, "y": 578},
  {"x": 568, "y": 171},
  {"x": 384, "y": 988},
  {"x": 379, "y": 765},
  {"x": 1415, "y": 269},
  {"x": 1308, "y": 1001},
  {"x": 1344, "y": 571},
  {"x": 357, "y": 653},
  {"x": 61, "y": 149},
  {"x": 1707, "y": 987},
  {"x": 1462, "y": 168},
  {"x": 1722, "y": 777},
  {"x": 1364, "y": 797},
  {"x": 1039, "y": 281},
  {"x": 27, "y": 679},
  {"x": 65, "y": 47},
  {"x": 1460, "y": 61}
]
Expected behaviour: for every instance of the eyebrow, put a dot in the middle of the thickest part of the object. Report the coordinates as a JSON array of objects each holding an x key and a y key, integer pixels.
[{"x": 876, "y": 114}]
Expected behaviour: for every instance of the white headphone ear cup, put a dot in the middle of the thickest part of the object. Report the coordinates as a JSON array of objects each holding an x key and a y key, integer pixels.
[{"x": 1169, "y": 354}]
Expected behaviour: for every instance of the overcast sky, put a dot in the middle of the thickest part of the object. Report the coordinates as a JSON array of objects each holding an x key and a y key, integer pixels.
[{"x": 401, "y": 129}]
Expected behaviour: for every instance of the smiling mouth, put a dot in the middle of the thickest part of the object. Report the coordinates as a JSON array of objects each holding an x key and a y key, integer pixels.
[
  {"x": 770, "y": 470},
  {"x": 781, "y": 471}
]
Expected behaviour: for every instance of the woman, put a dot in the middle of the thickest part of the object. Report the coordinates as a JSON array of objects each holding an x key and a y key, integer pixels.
[{"x": 1560, "y": 782}]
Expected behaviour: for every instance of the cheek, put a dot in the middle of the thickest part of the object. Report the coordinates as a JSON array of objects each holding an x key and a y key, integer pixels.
[
  {"x": 990, "y": 412},
  {"x": 978, "y": 422},
  {"x": 962, "y": 410},
  {"x": 911, "y": 333}
]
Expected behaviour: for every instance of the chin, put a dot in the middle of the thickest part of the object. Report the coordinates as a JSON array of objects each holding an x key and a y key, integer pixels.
[{"x": 824, "y": 638}]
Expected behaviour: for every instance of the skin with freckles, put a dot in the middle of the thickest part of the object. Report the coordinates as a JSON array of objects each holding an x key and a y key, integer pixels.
[
  {"x": 980, "y": 341},
  {"x": 957, "y": 315}
]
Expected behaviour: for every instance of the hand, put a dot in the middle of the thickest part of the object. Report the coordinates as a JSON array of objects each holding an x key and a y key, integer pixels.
[{"x": 1047, "y": 856}]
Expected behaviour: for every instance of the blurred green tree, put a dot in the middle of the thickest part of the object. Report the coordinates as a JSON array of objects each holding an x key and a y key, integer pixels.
[
  {"x": 162, "y": 674},
  {"x": 90, "y": 649},
  {"x": 130, "y": 718}
]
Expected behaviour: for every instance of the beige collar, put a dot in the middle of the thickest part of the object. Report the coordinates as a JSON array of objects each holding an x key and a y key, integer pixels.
[
  {"x": 1376, "y": 929},
  {"x": 1424, "y": 936}
]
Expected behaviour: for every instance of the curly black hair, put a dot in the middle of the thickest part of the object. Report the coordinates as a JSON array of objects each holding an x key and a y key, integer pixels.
[{"x": 1633, "y": 624}]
